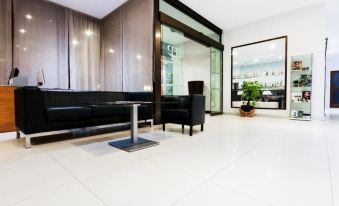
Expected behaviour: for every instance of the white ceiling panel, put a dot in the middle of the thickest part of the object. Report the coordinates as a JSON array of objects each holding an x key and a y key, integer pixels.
[
  {"x": 228, "y": 14},
  {"x": 95, "y": 8}
]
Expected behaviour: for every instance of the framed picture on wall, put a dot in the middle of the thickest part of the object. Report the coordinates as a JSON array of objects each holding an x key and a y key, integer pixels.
[{"x": 266, "y": 62}]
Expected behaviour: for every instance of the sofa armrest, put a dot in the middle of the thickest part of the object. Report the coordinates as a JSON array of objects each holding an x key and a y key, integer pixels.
[
  {"x": 197, "y": 109},
  {"x": 30, "y": 113}
]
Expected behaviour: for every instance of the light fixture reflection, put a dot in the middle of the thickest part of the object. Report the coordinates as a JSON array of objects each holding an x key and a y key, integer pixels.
[
  {"x": 25, "y": 49},
  {"x": 75, "y": 42},
  {"x": 22, "y": 31},
  {"x": 88, "y": 33},
  {"x": 272, "y": 46},
  {"x": 139, "y": 57},
  {"x": 157, "y": 35},
  {"x": 28, "y": 16},
  {"x": 111, "y": 51}
]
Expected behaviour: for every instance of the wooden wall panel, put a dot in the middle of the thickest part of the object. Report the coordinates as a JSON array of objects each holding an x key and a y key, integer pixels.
[
  {"x": 7, "y": 115},
  {"x": 137, "y": 45},
  {"x": 112, "y": 52},
  {"x": 5, "y": 40}
]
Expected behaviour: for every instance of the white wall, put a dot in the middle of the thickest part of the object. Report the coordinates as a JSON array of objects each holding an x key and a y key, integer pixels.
[
  {"x": 305, "y": 29},
  {"x": 196, "y": 67},
  {"x": 332, "y": 32}
]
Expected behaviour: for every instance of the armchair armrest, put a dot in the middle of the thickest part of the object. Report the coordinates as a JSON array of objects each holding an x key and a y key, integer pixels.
[{"x": 197, "y": 109}]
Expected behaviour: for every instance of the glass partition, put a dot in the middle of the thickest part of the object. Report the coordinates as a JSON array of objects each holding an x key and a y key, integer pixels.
[
  {"x": 172, "y": 61},
  {"x": 185, "y": 19},
  {"x": 216, "y": 81}
]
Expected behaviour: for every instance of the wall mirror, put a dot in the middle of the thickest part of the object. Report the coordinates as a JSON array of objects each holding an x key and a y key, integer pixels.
[{"x": 265, "y": 62}]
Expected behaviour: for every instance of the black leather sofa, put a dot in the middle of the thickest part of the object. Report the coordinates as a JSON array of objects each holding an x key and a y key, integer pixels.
[
  {"x": 43, "y": 110},
  {"x": 184, "y": 110}
]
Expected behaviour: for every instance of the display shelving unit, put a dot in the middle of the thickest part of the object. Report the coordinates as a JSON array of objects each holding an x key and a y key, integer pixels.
[{"x": 301, "y": 87}]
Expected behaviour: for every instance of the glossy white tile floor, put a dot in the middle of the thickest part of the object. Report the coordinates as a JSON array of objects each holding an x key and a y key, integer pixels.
[{"x": 236, "y": 162}]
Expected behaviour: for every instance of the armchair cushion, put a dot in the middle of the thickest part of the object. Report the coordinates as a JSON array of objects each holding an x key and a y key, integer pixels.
[
  {"x": 176, "y": 113},
  {"x": 108, "y": 110}
]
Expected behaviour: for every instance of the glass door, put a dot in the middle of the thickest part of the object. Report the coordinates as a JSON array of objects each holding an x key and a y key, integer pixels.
[
  {"x": 172, "y": 48},
  {"x": 216, "y": 82}
]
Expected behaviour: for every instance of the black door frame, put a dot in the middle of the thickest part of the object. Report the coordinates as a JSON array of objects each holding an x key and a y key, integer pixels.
[
  {"x": 332, "y": 90},
  {"x": 161, "y": 18}
]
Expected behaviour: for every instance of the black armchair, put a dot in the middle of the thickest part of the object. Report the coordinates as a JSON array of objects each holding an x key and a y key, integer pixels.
[{"x": 184, "y": 110}]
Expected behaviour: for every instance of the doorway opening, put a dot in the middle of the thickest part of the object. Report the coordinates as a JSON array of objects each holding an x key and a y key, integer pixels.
[{"x": 183, "y": 60}]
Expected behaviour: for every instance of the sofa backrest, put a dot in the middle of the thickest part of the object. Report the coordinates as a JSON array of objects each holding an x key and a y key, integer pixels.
[{"x": 55, "y": 98}]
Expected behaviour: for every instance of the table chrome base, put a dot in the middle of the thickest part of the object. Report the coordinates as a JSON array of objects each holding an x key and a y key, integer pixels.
[{"x": 128, "y": 146}]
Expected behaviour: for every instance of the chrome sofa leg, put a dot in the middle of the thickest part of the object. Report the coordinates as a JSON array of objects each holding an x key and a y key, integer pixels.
[
  {"x": 28, "y": 142},
  {"x": 151, "y": 122}
]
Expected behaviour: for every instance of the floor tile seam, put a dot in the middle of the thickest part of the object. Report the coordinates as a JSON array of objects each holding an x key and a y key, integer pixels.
[
  {"x": 243, "y": 193},
  {"x": 329, "y": 168},
  {"x": 40, "y": 194},
  {"x": 78, "y": 180},
  {"x": 27, "y": 164},
  {"x": 208, "y": 178}
]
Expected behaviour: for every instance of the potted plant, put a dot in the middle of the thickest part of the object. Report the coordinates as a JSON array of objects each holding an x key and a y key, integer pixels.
[{"x": 251, "y": 94}]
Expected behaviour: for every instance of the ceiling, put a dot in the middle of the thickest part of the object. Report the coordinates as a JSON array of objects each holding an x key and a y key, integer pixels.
[
  {"x": 226, "y": 14},
  {"x": 95, "y": 8}
]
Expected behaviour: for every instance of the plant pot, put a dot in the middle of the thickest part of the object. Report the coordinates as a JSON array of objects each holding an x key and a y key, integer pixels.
[{"x": 247, "y": 108}]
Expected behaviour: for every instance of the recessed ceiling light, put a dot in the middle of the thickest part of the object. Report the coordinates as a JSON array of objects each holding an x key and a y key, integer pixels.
[
  {"x": 28, "y": 16},
  {"x": 22, "y": 31}
]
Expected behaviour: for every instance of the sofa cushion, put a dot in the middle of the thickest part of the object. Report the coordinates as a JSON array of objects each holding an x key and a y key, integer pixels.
[
  {"x": 70, "y": 113},
  {"x": 99, "y": 111},
  {"x": 175, "y": 113}
]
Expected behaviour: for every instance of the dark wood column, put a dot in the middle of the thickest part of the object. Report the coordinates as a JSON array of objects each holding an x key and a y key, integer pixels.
[{"x": 157, "y": 62}]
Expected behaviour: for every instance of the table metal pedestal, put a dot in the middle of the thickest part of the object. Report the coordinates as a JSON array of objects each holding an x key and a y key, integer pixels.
[{"x": 135, "y": 143}]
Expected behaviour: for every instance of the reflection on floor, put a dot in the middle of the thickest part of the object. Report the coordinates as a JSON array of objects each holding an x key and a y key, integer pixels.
[{"x": 242, "y": 162}]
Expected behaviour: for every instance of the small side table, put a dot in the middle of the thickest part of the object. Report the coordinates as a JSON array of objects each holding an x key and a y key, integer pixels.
[{"x": 135, "y": 143}]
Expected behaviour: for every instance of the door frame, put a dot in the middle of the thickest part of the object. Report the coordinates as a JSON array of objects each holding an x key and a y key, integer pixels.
[{"x": 332, "y": 89}]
